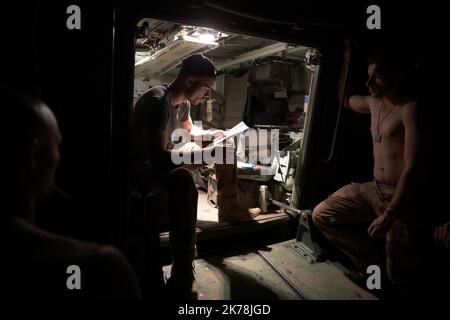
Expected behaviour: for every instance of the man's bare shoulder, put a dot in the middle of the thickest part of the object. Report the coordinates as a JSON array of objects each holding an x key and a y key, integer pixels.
[
  {"x": 106, "y": 270},
  {"x": 411, "y": 104},
  {"x": 51, "y": 246},
  {"x": 359, "y": 103},
  {"x": 410, "y": 108},
  {"x": 373, "y": 101},
  {"x": 410, "y": 113}
]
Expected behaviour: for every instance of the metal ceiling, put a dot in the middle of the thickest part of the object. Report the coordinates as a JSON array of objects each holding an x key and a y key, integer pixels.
[{"x": 160, "y": 48}]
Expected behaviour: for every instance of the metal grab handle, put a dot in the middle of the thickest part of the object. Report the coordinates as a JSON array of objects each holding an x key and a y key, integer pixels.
[
  {"x": 285, "y": 206},
  {"x": 338, "y": 120}
]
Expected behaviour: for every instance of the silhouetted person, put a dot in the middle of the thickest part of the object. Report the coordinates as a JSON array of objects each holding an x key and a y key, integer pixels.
[
  {"x": 39, "y": 263},
  {"x": 377, "y": 219}
]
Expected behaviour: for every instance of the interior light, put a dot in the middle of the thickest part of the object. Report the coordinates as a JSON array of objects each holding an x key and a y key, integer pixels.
[
  {"x": 206, "y": 37},
  {"x": 199, "y": 40}
]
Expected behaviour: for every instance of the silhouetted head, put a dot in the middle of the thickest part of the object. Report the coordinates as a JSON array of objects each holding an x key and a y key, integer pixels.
[
  {"x": 198, "y": 75},
  {"x": 389, "y": 73},
  {"x": 30, "y": 141}
]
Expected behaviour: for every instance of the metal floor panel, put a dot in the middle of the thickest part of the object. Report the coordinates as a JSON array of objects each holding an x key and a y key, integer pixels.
[
  {"x": 240, "y": 277},
  {"x": 278, "y": 272},
  {"x": 318, "y": 281}
]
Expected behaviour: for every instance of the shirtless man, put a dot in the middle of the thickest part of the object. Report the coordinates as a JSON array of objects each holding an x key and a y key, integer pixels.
[
  {"x": 35, "y": 262},
  {"x": 357, "y": 215}
]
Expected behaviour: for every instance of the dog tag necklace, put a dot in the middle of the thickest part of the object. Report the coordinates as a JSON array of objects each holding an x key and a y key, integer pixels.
[{"x": 378, "y": 136}]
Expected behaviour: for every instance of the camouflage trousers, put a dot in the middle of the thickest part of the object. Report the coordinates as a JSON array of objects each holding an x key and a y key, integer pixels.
[{"x": 344, "y": 218}]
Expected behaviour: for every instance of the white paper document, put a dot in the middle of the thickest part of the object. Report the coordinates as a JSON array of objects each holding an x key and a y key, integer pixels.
[{"x": 239, "y": 128}]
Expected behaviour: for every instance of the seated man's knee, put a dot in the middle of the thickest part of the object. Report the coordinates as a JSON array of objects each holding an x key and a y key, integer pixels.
[
  {"x": 181, "y": 179},
  {"x": 319, "y": 213}
]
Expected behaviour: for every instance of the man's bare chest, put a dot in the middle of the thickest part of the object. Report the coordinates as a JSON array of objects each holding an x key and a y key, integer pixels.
[{"x": 387, "y": 125}]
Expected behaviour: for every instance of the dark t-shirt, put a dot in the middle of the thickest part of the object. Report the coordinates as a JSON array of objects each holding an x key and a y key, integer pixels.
[{"x": 153, "y": 114}]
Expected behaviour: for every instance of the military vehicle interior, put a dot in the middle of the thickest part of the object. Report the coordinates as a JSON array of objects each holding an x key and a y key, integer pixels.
[
  {"x": 264, "y": 83},
  {"x": 279, "y": 68}
]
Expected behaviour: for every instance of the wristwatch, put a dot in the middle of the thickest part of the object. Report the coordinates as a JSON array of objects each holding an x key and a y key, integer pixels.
[{"x": 391, "y": 212}]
